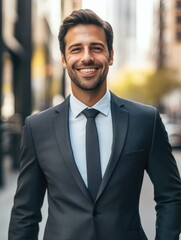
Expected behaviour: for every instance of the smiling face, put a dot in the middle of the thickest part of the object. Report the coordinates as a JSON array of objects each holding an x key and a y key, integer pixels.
[{"x": 87, "y": 58}]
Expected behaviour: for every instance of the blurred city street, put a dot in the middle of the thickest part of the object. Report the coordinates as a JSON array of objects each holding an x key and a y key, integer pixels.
[
  {"x": 7, "y": 193},
  {"x": 146, "y": 69}
]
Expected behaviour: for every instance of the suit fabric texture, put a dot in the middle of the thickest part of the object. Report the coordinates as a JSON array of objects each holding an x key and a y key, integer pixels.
[{"x": 140, "y": 143}]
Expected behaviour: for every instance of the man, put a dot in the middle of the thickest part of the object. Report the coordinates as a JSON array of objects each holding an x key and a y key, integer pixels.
[{"x": 54, "y": 149}]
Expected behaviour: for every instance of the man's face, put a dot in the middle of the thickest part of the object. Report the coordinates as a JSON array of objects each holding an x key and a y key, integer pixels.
[{"x": 87, "y": 58}]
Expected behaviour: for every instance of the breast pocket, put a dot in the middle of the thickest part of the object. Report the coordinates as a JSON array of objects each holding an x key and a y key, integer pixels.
[{"x": 133, "y": 155}]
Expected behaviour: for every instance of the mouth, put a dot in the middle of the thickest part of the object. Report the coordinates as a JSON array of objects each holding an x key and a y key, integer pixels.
[{"x": 87, "y": 70}]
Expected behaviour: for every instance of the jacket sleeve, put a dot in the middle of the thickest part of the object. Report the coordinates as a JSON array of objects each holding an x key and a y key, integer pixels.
[
  {"x": 164, "y": 174},
  {"x": 28, "y": 200}
]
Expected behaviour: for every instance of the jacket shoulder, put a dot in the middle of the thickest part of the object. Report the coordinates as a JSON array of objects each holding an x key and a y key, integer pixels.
[
  {"x": 48, "y": 114},
  {"x": 134, "y": 107}
]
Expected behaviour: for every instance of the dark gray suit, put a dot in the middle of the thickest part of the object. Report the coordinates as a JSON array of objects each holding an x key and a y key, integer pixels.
[{"x": 139, "y": 143}]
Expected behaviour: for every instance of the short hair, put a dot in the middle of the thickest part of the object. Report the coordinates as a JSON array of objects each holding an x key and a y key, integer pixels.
[{"x": 84, "y": 16}]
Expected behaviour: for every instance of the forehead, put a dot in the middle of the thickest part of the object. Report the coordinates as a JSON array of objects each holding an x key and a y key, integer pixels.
[{"x": 85, "y": 33}]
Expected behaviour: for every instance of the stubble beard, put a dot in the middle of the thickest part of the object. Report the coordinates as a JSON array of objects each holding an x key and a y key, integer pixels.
[
  {"x": 86, "y": 86},
  {"x": 89, "y": 83}
]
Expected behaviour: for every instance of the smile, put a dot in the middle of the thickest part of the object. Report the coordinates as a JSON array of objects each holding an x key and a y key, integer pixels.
[{"x": 88, "y": 70}]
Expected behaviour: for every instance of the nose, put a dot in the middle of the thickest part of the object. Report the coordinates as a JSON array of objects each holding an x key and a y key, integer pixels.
[{"x": 87, "y": 56}]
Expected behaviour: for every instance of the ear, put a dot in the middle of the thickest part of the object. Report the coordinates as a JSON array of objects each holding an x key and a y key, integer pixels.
[
  {"x": 111, "y": 55},
  {"x": 110, "y": 62},
  {"x": 63, "y": 61}
]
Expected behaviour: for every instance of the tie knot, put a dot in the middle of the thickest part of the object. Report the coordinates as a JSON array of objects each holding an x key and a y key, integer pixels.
[{"x": 90, "y": 113}]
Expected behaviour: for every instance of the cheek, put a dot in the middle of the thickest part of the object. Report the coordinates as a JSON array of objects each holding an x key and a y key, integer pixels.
[
  {"x": 105, "y": 58},
  {"x": 71, "y": 60},
  {"x": 106, "y": 61}
]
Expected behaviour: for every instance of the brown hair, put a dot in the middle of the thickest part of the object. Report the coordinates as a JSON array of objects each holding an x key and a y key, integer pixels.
[{"x": 84, "y": 16}]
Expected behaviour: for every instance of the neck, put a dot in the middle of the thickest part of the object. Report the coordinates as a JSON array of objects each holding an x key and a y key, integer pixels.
[{"x": 90, "y": 97}]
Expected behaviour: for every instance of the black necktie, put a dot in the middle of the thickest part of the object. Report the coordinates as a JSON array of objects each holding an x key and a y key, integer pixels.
[{"x": 92, "y": 153}]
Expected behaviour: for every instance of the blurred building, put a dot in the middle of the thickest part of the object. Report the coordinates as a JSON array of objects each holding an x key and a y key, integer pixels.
[
  {"x": 124, "y": 22},
  {"x": 15, "y": 75},
  {"x": 46, "y": 70},
  {"x": 67, "y": 6},
  {"x": 15, "y": 58},
  {"x": 170, "y": 45},
  {"x": 172, "y": 34}
]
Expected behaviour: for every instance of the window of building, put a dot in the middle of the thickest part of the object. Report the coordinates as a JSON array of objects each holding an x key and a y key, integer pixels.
[
  {"x": 178, "y": 36},
  {"x": 178, "y": 19},
  {"x": 178, "y": 4}
]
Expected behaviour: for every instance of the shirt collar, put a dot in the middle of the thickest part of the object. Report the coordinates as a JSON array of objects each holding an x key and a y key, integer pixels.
[{"x": 103, "y": 105}]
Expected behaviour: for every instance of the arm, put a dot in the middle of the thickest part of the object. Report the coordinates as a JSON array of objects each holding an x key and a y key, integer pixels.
[
  {"x": 26, "y": 212},
  {"x": 164, "y": 175}
]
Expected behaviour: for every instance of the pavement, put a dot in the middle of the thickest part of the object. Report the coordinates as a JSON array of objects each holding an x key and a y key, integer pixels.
[
  {"x": 147, "y": 204},
  {"x": 6, "y": 200},
  {"x": 6, "y": 197}
]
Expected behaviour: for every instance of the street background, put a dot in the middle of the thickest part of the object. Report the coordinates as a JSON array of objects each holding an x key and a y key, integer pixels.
[{"x": 147, "y": 69}]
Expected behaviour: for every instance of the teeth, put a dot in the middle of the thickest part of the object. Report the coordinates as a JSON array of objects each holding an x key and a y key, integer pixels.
[{"x": 87, "y": 70}]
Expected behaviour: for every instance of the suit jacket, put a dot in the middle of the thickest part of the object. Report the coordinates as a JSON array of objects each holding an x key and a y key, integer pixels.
[{"x": 140, "y": 143}]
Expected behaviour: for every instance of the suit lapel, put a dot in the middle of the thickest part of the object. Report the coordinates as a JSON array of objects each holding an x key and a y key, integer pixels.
[
  {"x": 61, "y": 128},
  {"x": 120, "y": 125}
]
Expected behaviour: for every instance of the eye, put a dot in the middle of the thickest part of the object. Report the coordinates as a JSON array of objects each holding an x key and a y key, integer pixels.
[
  {"x": 75, "y": 50},
  {"x": 97, "y": 49}
]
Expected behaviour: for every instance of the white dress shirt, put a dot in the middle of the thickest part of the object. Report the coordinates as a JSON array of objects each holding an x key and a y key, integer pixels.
[{"x": 77, "y": 125}]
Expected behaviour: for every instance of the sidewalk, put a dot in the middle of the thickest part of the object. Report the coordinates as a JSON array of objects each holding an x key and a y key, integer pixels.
[
  {"x": 6, "y": 197},
  {"x": 6, "y": 201}
]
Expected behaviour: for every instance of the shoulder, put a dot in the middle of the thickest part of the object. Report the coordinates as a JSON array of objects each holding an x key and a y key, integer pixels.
[
  {"x": 133, "y": 107},
  {"x": 47, "y": 115},
  {"x": 141, "y": 117}
]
